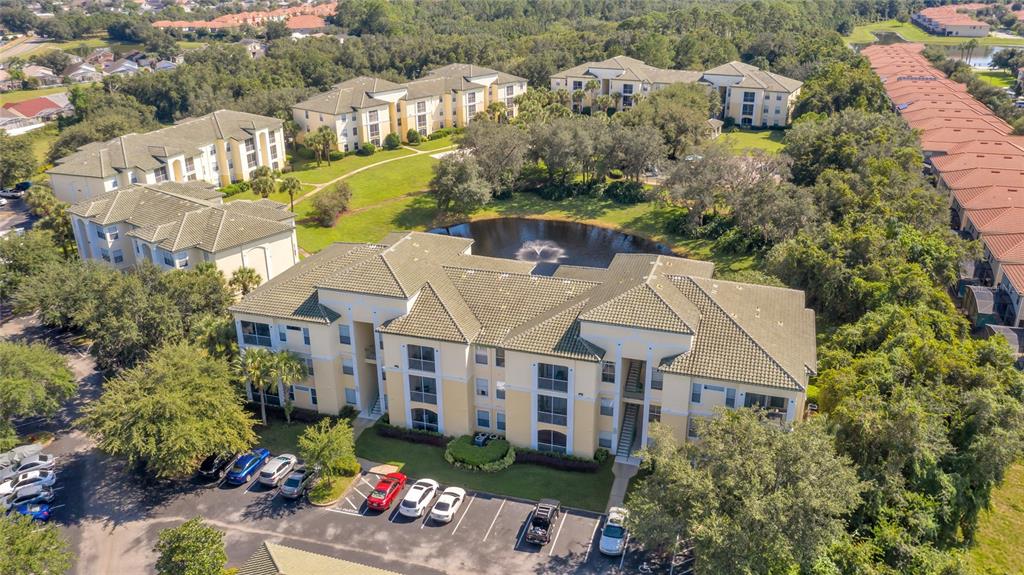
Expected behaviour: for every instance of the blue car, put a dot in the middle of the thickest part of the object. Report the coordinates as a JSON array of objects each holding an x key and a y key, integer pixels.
[
  {"x": 247, "y": 465},
  {"x": 37, "y": 511}
]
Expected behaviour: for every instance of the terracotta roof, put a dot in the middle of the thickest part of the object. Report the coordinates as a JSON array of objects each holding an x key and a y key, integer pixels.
[
  {"x": 997, "y": 220},
  {"x": 983, "y": 122},
  {"x": 1010, "y": 145},
  {"x": 34, "y": 107},
  {"x": 965, "y": 161},
  {"x": 1006, "y": 248},
  {"x": 986, "y": 197},
  {"x": 306, "y": 22},
  {"x": 944, "y": 139},
  {"x": 1015, "y": 273},
  {"x": 980, "y": 177}
]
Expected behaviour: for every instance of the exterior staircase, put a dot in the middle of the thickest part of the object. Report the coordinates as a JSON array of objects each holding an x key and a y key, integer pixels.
[
  {"x": 377, "y": 410},
  {"x": 627, "y": 433},
  {"x": 635, "y": 379}
]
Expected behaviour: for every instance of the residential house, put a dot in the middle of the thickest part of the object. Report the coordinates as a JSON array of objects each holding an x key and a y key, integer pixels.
[
  {"x": 164, "y": 65},
  {"x": 305, "y": 25},
  {"x": 82, "y": 72},
  {"x": 7, "y": 82},
  {"x": 42, "y": 108},
  {"x": 123, "y": 67},
  {"x": 622, "y": 78},
  {"x": 100, "y": 57},
  {"x": 177, "y": 225},
  {"x": 220, "y": 148},
  {"x": 952, "y": 20},
  {"x": 41, "y": 74},
  {"x": 255, "y": 48},
  {"x": 418, "y": 327},
  {"x": 752, "y": 97}
]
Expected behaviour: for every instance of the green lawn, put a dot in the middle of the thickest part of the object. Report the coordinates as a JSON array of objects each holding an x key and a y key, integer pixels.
[
  {"x": 428, "y": 145},
  {"x": 276, "y": 196},
  {"x": 280, "y": 437},
  {"x": 370, "y": 225},
  {"x": 573, "y": 489},
  {"x": 40, "y": 140},
  {"x": 768, "y": 140},
  {"x": 305, "y": 169},
  {"x": 911, "y": 33},
  {"x": 997, "y": 78},
  {"x": 998, "y": 543},
  {"x": 22, "y": 95}
]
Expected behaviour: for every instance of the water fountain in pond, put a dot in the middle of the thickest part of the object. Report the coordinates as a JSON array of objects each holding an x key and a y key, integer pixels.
[{"x": 540, "y": 251}]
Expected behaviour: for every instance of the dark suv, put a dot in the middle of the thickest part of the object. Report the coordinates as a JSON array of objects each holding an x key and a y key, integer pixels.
[
  {"x": 215, "y": 466},
  {"x": 542, "y": 519}
]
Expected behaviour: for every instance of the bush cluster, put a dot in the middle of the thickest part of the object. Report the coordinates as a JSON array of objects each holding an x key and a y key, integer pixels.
[
  {"x": 235, "y": 189},
  {"x": 498, "y": 454},
  {"x": 626, "y": 192},
  {"x": 367, "y": 149},
  {"x": 443, "y": 132},
  {"x": 330, "y": 203},
  {"x": 412, "y": 435},
  {"x": 559, "y": 461}
]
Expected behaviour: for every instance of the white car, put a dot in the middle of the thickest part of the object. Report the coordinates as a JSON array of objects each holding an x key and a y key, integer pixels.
[
  {"x": 43, "y": 477},
  {"x": 448, "y": 504},
  {"x": 31, "y": 463},
  {"x": 3, "y": 202},
  {"x": 30, "y": 494},
  {"x": 277, "y": 469},
  {"x": 418, "y": 498},
  {"x": 613, "y": 536}
]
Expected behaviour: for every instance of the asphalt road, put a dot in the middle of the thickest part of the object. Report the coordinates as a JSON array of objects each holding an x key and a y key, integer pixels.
[
  {"x": 113, "y": 515},
  {"x": 15, "y": 215}
]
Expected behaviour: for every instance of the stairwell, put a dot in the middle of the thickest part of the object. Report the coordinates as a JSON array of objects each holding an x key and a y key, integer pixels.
[
  {"x": 635, "y": 379},
  {"x": 377, "y": 410},
  {"x": 627, "y": 433}
]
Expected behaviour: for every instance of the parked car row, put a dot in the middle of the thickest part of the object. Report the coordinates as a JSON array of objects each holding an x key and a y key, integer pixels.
[
  {"x": 27, "y": 477},
  {"x": 15, "y": 192},
  {"x": 284, "y": 471}
]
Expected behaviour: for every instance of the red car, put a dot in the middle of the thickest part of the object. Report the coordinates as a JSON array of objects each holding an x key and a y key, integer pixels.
[{"x": 386, "y": 491}]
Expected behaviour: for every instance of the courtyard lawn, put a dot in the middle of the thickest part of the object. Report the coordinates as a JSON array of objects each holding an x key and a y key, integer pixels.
[
  {"x": 22, "y": 95},
  {"x": 278, "y": 436},
  {"x": 276, "y": 196},
  {"x": 997, "y": 548},
  {"x": 997, "y": 78},
  {"x": 305, "y": 169},
  {"x": 574, "y": 489},
  {"x": 428, "y": 145},
  {"x": 911, "y": 33},
  {"x": 368, "y": 225},
  {"x": 767, "y": 140},
  {"x": 390, "y": 181}
]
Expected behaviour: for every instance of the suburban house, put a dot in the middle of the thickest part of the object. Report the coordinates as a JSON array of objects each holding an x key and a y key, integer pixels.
[
  {"x": 305, "y": 25},
  {"x": 952, "y": 20},
  {"x": 42, "y": 108},
  {"x": 123, "y": 67},
  {"x": 41, "y": 74},
  {"x": 219, "y": 148},
  {"x": 179, "y": 225},
  {"x": 83, "y": 72},
  {"x": 750, "y": 96},
  {"x": 255, "y": 48},
  {"x": 418, "y": 327},
  {"x": 365, "y": 109}
]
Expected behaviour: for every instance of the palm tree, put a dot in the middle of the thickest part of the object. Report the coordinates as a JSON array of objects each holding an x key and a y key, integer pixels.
[
  {"x": 577, "y": 98},
  {"x": 244, "y": 280},
  {"x": 328, "y": 141},
  {"x": 290, "y": 186},
  {"x": 287, "y": 369},
  {"x": 604, "y": 102},
  {"x": 592, "y": 86},
  {"x": 617, "y": 98},
  {"x": 263, "y": 185},
  {"x": 261, "y": 172},
  {"x": 254, "y": 365},
  {"x": 314, "y": 142},
  {"x": 496, "y": 110}
]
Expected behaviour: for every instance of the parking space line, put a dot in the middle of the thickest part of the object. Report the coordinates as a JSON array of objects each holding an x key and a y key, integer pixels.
[
  {"x": 524, "y": 529},
  {"x": 557, "y": 533},
  {"x": 426, "y": 517},
  {"x": 342, "y": 511},
  {"x": 58, "y": 506},
  {"x": 625, "y": 550},
  {"x": 464, "y": 512},
  {"x": 393, "y": 513},
  {"x": 363, "y": 479},
  {"x": 495, "y": 520},
  {"x": 592, "y": 534},
  {"x": 251, "y": 485},
  {"x": 350, "y": 503},
  {"x": 356, "y": 489}
]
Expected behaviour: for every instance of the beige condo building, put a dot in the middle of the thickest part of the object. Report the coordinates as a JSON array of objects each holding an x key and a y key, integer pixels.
[
  {"x": 365, "y": 109},
  {"x": 219, "y": 148},
  {"x": 440, "y": 339}
]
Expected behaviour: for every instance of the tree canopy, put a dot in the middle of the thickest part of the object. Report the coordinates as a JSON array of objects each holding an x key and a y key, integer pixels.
[
  {"x": 34, "y": 381},
  {"x": 32, "y": 549},
  {"x": 192, "y": 548}
]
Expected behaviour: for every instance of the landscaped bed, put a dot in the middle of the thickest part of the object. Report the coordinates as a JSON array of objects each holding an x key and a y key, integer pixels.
[{"x": 329, "y": 488}]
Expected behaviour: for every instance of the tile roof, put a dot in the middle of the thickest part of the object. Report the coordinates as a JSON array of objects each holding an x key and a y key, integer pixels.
[
  {"x": 306, "y": 22},
  {"x": 37, "y": 106},
  {"x": 754, "y": 77},
  {"x": 351, "y": 95},
  {"x": 631, "y": 69},
  {"x": 748, "y": 333},
  {"x": 965, "y": 161},
  {"x": 984, "y": 122},
  {"x": 989, "y": 197},
  {"x": 1015, "y": 273},
  {"x": 1007, "y": 248},
  {"x": 1011, "y": 145},
  {"x": 274, "y": 559},
  {"x": 149, "y": 151},
  {"x": 177, "y": 216},
  {"x": 979, "y": 177},
  {"x": 997, "y": 220}
]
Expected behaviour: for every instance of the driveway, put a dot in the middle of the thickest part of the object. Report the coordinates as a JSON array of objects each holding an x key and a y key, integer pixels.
[{"x": 15, "y": 215}]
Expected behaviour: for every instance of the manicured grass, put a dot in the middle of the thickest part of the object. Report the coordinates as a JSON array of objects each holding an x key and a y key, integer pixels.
[
  {"x": 40, "y": 140},
  {"x": 22, "y": 95},
  {"x": 434, "y": 144},
  {"x": 370, "y": 225},
  {"x": 329, "y": 488},
  {"x": 911, "y": 33},
  {"x": 305, "y": 169},
  {"x": 574, "y": 489},
  {"x": 768, "y": 140},
  {"x": 997, "y": 78},
  {"x": 998, "y": 542},
  {"x": 391, "y": 180},
  {"x": 276, "y": 196},
  {"x": 280, "y": 437}
]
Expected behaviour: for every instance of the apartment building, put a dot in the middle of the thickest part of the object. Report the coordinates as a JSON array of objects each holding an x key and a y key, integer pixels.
[
  {"x": 219, "y": 148},
  {"x": 750, "y": 96},
  {"x": 177, "y": 225},
  {"x": 952, "y": 20},
  {"x": 622, "y": 78},
  {"x": 365, "y": 109},
  {"x": 440, "y": 339}
]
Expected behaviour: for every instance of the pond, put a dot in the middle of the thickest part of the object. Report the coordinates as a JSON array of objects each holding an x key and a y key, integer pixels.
[
  {"x": 980, "y": 57},
  {"x": 550, "y": 242}
]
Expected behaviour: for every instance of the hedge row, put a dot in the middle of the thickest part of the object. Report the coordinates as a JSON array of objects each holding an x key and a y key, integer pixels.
[
  {"x": 412, "y": 435},
  {"x": 498, "y": 454},
  {"x": 560, "y": 461}
]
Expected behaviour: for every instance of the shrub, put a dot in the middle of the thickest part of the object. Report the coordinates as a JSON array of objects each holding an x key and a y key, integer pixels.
[
  {"x": 330, "y": 203},
  {"x": 392, "y": 141},
  {"x": 347, "y": 468},
  {"x": 328, "y": 489},
  {"x": 557, "y": 192},
  {"x": 235, "y": 189},
  {"x": 626, "y": 192},
  {"x": 411, "y": 435},
  {"x": 498, "y": 454},
  {"x": 413, "y": 136},
  {"x": 557, "y": 460},
  {"x": 602, "y": 455},
  {"x": 443, "y": 132},
  {"x": 367, "y": 149},
  {"x": 615, "y": 174}
]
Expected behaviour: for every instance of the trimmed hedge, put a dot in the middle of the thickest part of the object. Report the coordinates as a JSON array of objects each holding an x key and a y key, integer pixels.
[
  {"x": 438, "y": 134},
  {"x": 235, "y": 188},
  {"x": 498, "y": 454},
  {"x": 411, "y": 435},
  {"x": 557, "y": 460}
]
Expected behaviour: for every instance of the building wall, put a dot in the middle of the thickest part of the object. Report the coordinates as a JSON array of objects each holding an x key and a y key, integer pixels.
[
  {"x": 351, "y": 128},
  {"x": 269, "y": 256}
]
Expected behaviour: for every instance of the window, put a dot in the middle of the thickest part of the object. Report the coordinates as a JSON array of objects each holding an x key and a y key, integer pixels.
[
  {"x": 344, "y": 335},
  {"x": 168, "y": 260},
  {"x": 499, "y": 358},
  {"x": 510, "y": 91},
  {"x": 282, "y": 333},
  {"x": 499, "y": 420},
  {"x": 309, "y": 366},
  {"x": 730, "y": 397},
  {"x": 577, "y": 85},
  {"x": 749, "y": 96},
  {"x": 483, "y": 418},
  {"x": 553, "y": 410},
  {"x": 607, "y": 372},
  {"x": 273, "y": 137},
  {"x": 312, "y": 395},
  {"x": 657, "y": 379},
  {"x": 372, "y": 116},
  {"x": 190, "y": 166},
  {"x": 424, "y": 419},
  {"x": 347, "y": 367},
  {"x": 481, "y": 356},
  {"x": 627, "y": 89},
  {"x": 654, "y": 414},
  {"x": 250, "y": 153},
  {"x": 355, "y": 130},
  {"x": 160, "y": 174},
  {"x": 748, "y": 110},
  {"x": 118, "y": 256},
  {"x": 604, "y": 440},
  {"x": 350, "y": 396},
  {"x": 133, "y": 178},
  {"x": 778, "y": 97},
  {"x": 422, "y": 389},
  {"x": 321, "y": 117},
  {"x": 421, "y": 358},
  {"x": 607, "y": 406},
  {"x": 307, "y": 114},
  {"x": 291, "y": 393},
  {"x": 499, "y": 390},
  {"x": 105, "y": 254},
  {"x": 482, "y": 386},
  {"x": 471, "y": 98},
  {"x": 695, "y": 392},
  {"x": 768, "y": 402},
  {"x": 552, "y": 377},
  {"x": 549, "y": 440},
  {"x": 305, "y": 335},
  {"x": 255, "y": 333}
]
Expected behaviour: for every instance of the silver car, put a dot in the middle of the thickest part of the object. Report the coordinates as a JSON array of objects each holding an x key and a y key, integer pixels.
[
  {"x": 614, "y": 535},
  {"x": 44, "y": 477},
  {"x": 277, "y": 469},
  {"x": 30, "y": 494},
  {"x": 298, "y": 482},
  {"x": 30, "y": 463}
]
